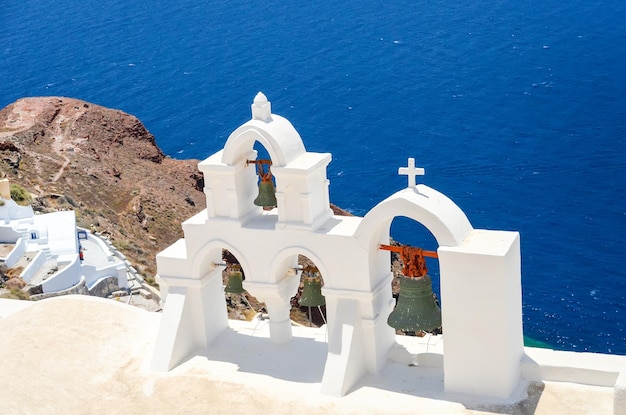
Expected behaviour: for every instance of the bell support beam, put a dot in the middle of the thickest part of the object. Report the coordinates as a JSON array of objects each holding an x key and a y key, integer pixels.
[{"x": 398, "y": 249}]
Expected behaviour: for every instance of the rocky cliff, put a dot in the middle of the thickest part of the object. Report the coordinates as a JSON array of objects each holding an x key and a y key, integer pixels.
[{"x": 105, "y": 165}]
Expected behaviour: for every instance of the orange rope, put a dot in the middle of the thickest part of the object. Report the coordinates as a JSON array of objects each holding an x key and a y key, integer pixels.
[
  {"x": 265, "y": 177},
  {"x": 412, "y": 259}
]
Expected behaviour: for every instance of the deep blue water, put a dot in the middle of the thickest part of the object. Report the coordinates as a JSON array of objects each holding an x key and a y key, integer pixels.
[{"x": 517, "y": 110}]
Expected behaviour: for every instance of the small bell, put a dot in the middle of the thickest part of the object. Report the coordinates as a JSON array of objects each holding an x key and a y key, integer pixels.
[
  {"x": 235, "y": 281},
  {"x": 267, "y": 190},
  {"x": 312, "y": 292},
  {"x": 416, "y": 309},
  {"x": 267, "y": 195}
]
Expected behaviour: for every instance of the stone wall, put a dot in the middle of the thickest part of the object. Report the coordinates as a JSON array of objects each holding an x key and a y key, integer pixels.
[
  {"x": 105, "y": 287},
  {"x": 80, "y": 288}
]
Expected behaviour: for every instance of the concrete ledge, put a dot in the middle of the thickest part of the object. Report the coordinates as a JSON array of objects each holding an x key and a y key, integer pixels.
[
  {"x": 584, "y": 368},
  {"x": 154, "y": 292},
  {"x": 79, "y": 288}
]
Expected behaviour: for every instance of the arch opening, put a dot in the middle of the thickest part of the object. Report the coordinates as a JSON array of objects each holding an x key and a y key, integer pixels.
[
  {"x": 265, "y": 180},
  {"x": 279, "y": 137},
  {"x": 240, "y": 304},
  {"x": 406, "y": 231},
  {"x": 308, "y": 305}
]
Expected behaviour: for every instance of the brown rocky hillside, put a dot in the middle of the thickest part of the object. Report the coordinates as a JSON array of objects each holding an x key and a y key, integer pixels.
[{"x": 104, "y": 164}]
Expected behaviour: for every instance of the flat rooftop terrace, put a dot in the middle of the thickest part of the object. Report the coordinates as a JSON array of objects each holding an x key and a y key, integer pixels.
[{"x": 242, "y": 371}]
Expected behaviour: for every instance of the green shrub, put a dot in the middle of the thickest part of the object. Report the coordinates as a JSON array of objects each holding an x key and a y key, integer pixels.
[
  {"x": 20, "y": 195},
  {"x": 16, "y": 294}
]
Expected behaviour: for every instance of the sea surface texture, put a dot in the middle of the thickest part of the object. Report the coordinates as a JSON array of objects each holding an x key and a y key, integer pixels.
[{"x": 516, "y": 109}]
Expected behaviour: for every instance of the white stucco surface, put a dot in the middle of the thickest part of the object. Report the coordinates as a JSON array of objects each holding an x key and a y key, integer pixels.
[
  {"x": 480, "y": 270},
  {"x": 80, "y": 354},
  {"x": 61, "y": 230}
]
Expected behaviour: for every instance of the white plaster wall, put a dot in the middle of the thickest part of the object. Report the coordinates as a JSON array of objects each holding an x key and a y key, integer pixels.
[
  {"x": 302, "y": 191},
  {"x": 12, "y": 211},
  {"x": 195, "y": 315},
  {"x": 61, "y": 231},
  {"x": 16, "y": 253},
  {"x": 230, "y": 189},
  {"x": 259, "y": 245},
  {"x": 8, "y": 235},
  {"x": 65, "y": 278},
  {"x": 575, "y": 367},
  {"x": 93, "y": 274},
  {"x": 267, "y": 256},
  {"x": 481, "y": 313},
  {"x": 33, "y": 266}
]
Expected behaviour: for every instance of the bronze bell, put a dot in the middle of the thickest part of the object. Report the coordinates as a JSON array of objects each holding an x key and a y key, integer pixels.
[
  {"x": 312, "y": 292},
  {"x": 235, "y": 282},
  {"x": 267, "y": 195},
  {"x": 416, "y": 309}
]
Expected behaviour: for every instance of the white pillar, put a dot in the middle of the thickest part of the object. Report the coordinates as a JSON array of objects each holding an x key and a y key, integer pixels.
[
  {"x": 481, "y": 303},
  {"x": 194, "y": 315},
  {"x": 277, "y": 300},
  {"x": 359, "y": 338}
]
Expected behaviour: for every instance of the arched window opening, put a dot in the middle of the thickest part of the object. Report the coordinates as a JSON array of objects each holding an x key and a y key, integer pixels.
[
  {"x": 416, "y": 283},
  {"x": 239, "y": 303},
  {"x": 266, "y": 182},
  {"x": 308, "y": 306}
]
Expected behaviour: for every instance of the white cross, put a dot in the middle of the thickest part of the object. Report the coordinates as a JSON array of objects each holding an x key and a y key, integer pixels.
[{"x": 411, "y": 171}]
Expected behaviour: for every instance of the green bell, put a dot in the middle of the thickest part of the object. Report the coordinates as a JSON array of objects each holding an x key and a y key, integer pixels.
[
  {"x": 235, "y": 283},
  {"x": 267, "y": 195},
  {"x": 416, "y": 309},
  {"x": 312, "y": 293}
]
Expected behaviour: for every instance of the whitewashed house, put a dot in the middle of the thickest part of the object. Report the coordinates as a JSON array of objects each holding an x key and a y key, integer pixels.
[{"x": 48, "y": 250}]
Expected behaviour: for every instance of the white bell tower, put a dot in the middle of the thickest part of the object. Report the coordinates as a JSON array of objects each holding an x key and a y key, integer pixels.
[{"x": 301, "y": 180}]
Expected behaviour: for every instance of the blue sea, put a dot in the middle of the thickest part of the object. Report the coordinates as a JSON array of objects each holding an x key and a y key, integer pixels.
[{"x": 516, "y": 109}]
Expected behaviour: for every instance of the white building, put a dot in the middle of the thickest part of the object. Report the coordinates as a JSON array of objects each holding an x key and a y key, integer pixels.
[{"x": 48, "y": 247}]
